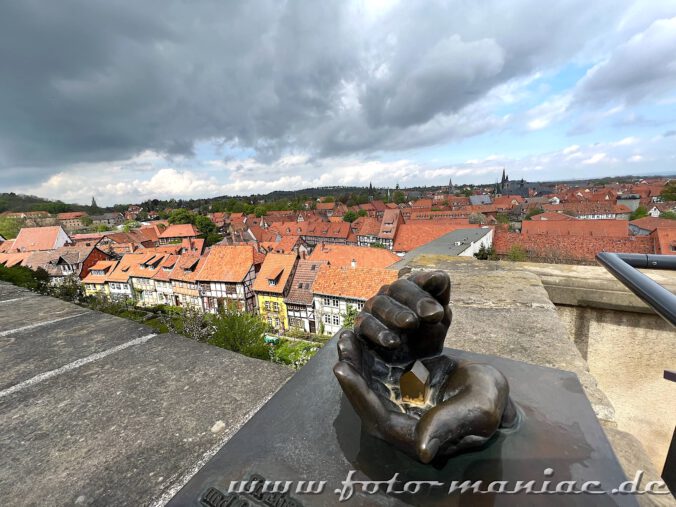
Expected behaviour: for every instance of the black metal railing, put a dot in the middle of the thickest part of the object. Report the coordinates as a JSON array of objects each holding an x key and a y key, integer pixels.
[{"x": 623, "y": 267}]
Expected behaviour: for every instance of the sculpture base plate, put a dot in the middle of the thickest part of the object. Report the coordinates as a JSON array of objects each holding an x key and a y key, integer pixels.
[{"x": 308, "y": 431}]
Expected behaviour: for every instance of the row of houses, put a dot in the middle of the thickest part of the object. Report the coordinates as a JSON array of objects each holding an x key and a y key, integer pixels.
[
  {"x": 295, "y": 289},
  {"x": 289, "y": 292}
]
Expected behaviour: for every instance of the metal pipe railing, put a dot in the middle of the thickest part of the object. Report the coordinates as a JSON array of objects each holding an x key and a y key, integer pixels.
[{"x": 623, "y": 267}]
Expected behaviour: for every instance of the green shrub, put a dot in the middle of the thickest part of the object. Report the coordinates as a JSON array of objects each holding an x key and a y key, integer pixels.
[
  {"x": 517, "y": 253},
  {"x": 240, "y": 332},
  {"x": 37, "y": 280}
]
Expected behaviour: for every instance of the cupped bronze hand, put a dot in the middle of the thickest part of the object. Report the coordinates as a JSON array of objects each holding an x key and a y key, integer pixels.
[{"x": 405, "y": 322}]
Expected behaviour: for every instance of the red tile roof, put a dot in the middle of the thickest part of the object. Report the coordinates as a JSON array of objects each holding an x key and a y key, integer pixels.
[
  {"x": 665, "y": 241},
  {"x": 602, "y": 228},
  {"x": 300, "y": 292},
  {"x": 358, "y": 283},
  {"x": 416, "y": 233},
  {"x": 71, "y": 215},
  {"x": 105, "y": 266},
  {"x": 650, "y": 223},
  {"x": 31, "y": 239},
  {"x": 188, "y": 267},
  {"x": 277, "y": 268},
  {"x": 229, "y": 263},
  {"x": 343, "y": 255},
  {"x": 179, "y": 231}
]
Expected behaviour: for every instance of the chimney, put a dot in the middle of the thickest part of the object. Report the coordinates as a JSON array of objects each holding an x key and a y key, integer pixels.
[{"x": 353, "y": 263}]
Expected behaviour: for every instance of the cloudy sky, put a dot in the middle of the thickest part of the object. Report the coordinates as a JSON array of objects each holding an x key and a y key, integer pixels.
[{"x": 133, "y": 99}]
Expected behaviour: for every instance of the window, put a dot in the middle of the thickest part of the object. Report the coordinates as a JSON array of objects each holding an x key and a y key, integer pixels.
[
  {"x": 269, "y": 320},
  {"x": 275, "y": 306},
  {"x": 336, "y": 320},
  {"x": 266, "y": 305},
  {"x": 327, "y": 319},
  {"x": 330, "y": 301}
]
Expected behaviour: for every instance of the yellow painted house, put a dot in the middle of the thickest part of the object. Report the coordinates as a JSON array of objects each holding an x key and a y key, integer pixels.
[
  {"x": 95, "y": 282},
  {"x": 272, "y": 285}
]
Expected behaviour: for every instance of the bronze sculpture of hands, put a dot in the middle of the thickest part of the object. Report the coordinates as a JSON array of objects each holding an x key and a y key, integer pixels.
[{"x": 405, "y": 322}]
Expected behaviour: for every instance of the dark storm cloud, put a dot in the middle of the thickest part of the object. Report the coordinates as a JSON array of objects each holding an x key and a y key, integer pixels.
[{"x": 87, "y": 81}]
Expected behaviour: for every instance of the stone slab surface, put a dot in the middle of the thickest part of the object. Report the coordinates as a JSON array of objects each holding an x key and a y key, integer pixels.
[
  {"x": 9, "y": 291},
  {"x": 308, "y": 431},
  {"x": 125, "y": 428},
  {"x": 34, "y": 351},
  {"x": 34, "y": 309}
]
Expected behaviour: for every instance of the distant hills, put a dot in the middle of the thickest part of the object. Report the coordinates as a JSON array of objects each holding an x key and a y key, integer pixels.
[{"x": 18, "y": 202}]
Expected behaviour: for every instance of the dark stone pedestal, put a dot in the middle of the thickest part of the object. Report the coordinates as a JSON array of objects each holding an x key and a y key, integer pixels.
[{"x": 309, "y": 432}]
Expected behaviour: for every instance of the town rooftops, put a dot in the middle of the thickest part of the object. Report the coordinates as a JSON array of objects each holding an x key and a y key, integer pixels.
[
  {"x": 362, "y": 256},
  {"x": 413, "y": 234},
  {"x": 127, "y": 266},
  {"x": 167, "y": 265},
  {"x": 327, "y": 229},
  {"x": 454, "y": 243},
  {"x": 179, "y": 231},
  {"x": 31, "y": 239},
  {"x": 650, "y": 223},
  {"x": 229, "y": 263},
  {"x": 352, "y": 283},
  {"x": 101, "y": 266},
  {"x": 368, "y": 226},
  {"x": 665, "y": 240},
  {"x": 275, "y": 273},
  {"x": 389, "y": 224},
  {"x": 187, "y": 267}
]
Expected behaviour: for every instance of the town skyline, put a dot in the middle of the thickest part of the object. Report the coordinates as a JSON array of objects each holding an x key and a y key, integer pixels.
[{"x": 203, "y": 99}]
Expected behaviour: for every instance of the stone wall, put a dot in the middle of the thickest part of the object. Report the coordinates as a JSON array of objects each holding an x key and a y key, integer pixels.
[
  {"x": 569, "y": 249},
  {"x": 627, "y": 353}
]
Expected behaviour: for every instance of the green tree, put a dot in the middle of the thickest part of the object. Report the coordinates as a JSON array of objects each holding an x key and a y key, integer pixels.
[
  {"x": 361, "y": 213},
  {"x": 37, "y": 280},
  {"x": 86, "y": 221},
  {"x": 350, "y": 316},
  {"x": 640, "y": 212},
  {"x": 102, "y": 228},
  {"x": 129, "y": 225},
  {"x": 669, "y": 191},
  {"x": 329, "y": 198},
  {"x": 485, "y": 254},
  {"x": 398, "y": 197},
  {"x": 241, "y": 332},
  {"x": 533, "y": 212},
  {"x": 204, "y": 225},
  {"x": 10, "y": 227},
  {"x": 349, "y": 216},
  {"x": 260, "y": 211},
  {"x": 669, "y": 215},
  {"x": 502, "y": 218},
  {"x": 182, "y": 216}
]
